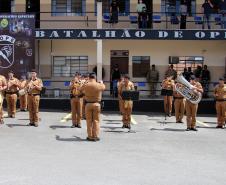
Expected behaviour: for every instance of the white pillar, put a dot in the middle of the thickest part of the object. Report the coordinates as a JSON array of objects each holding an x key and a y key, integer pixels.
[
  {"x": 99, "y": 41},
  {"x": 99, "y": 59},
  {"x": 99, "y": 14}
]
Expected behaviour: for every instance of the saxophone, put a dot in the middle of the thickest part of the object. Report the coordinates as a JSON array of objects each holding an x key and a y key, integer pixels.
[{"x": 185, "y": 89}]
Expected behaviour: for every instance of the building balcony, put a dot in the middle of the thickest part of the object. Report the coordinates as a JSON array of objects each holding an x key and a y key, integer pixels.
[{"x": 156, "y": 21}]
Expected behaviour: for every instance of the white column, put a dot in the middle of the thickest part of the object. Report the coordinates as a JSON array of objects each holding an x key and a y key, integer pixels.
[
  {"x": 99, "y": 41},
  {"x": 99, "y": 14},
  {"x": 99, "y": 59}
]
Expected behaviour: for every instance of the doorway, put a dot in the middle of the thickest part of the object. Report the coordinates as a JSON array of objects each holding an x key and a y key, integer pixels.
[
  {"x": 149, "y": 5},
  {"x": 33, "y": 6},
  {"x": 119, "y": 58}
]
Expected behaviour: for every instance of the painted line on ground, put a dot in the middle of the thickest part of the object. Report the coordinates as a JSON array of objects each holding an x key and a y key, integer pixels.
[
  {"x": 133, "y": 121},
  {"x": 66, "y": 118},
  {"x": 204, "y": 124}
]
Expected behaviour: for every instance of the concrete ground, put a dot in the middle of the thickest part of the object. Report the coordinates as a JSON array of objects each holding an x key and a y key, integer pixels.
[{"x": 154, "y": 153}]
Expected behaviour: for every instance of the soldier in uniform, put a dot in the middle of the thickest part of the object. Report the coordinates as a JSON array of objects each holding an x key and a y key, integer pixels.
[
  {"x": 127, "y": 105},
  {"x": 76, "y": 102},
  {"x": 3, "y": 86},
  {"x": 205, "y": 80},
  {"x": 34, "y": 87},
  {"x": 152, "y": 79},
  {"x": 168, "y": 85},
  {"x": 84, "y": 81},
  {"x": 179, "y": 106},
  {"x": 13, "y": 85},
  {"x": 23, "y": 98},
  {"x": 220, "y": 95},
  {"x": 191, "y": 109},
  {"x": 171, "y": 72},
  {"x": 93, "y": 94},
  {"x": 120, "y": 101}
]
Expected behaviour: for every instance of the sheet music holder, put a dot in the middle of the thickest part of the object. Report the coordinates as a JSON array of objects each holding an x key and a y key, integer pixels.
[
  {"x": 130, "y": 95},
  {"x": 165, "y": 92}
]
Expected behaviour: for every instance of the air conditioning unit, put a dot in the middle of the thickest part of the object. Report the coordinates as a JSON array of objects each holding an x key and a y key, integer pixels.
[{"x": 173, "y": 60}]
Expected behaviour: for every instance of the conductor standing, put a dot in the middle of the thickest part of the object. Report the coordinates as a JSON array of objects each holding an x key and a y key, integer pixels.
[{"x": 93, "y": 94}]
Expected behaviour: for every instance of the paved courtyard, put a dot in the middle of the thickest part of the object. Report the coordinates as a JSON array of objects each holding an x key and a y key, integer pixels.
[{"x": 153, "y": 153}]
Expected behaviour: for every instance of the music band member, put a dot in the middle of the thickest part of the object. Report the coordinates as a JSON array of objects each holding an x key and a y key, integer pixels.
[
  {"x": 84, "y": 80},
  {"x": 220, "y": 96},
  {"x": 179, "y": 106},
  {"x": 76, "y": 102},
  {"x": 3, "y": 86},
  {"x": 168, "y": 86},
  {"x": 120, "y": 101},
  {"x": 93, "y": 94},
  {"x": 191, "y": 108},
  {"x": 13, "y": 85},
  {"x": 127, "y": 105},
  {"x": 23, "y": 95},
  {"x": 34, "y": 87}
]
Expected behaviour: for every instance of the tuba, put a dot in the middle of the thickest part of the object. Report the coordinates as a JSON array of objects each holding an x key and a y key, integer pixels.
[{"x": 185, "y": 89}]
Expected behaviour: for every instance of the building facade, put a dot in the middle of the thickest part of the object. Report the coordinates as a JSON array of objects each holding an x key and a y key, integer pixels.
[{"x": 57, "y": 59}]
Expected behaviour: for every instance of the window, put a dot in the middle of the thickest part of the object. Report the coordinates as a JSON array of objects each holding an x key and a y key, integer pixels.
[
  {"x": 68, "y": 7},
  {"x": 68, "y": 66},
  {"x": 189, "y": 61},
  {"x": 124, "y": 7},
  {"x": 13, "y": 6},
  {"x": 141, "y": 65},
  {"x": 172, "y": 7}
]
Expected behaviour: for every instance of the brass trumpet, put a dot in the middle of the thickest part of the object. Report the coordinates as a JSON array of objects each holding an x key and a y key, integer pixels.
[
  {"x": 30, "y": 86},
  {"x": 10, "y": 83}
]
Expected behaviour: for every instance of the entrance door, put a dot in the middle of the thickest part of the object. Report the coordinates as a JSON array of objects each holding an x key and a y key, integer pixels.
[
  {"x": 120, "y": 58},
  {"x": 33, "y": 6},
  {"x": 149, "y": 4}
]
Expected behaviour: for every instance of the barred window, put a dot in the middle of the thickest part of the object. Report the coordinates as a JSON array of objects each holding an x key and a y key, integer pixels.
[
  {"x": 141, "y": 65},
  {"x": 66, "y": 66},
  {"x": 188, "y": 61},
  {"x": 68, "y": 7}
]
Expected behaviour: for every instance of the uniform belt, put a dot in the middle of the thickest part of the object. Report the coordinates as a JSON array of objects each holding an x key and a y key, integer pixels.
[
  {"x": 11, "y": 92},
  {"x": 93, "y": 102},
  {"x": 74, "y": 96},
  {"x": 34, "y": 94},
  {"x": 178, "y": 98},
  {"x": 221, "y": 100}
]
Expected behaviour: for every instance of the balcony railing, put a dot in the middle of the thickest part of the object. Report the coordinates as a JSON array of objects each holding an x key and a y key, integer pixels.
[{"x": 160, "y": 20}]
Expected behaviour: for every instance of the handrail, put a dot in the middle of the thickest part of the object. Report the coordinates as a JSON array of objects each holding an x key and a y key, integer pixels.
[{"x": 90, "y": 17}]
